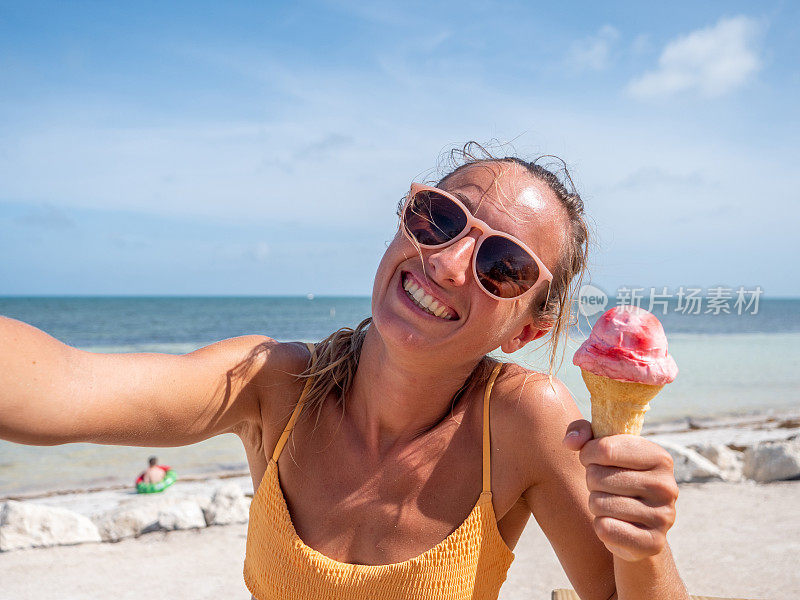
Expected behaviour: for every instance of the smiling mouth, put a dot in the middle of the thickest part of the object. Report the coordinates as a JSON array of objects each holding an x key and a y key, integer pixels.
[{"x": 425, "y": 301}]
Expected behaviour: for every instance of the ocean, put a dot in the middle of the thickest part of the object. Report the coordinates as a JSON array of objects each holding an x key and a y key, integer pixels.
[{"x": 729, "y": 364}]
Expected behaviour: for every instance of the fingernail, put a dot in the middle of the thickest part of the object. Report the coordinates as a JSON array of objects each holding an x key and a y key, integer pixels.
[{"x": 573, "y": 434}]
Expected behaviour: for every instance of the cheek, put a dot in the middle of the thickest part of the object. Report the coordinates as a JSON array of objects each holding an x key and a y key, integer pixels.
[
  {"x": 398, "y": 250},
  {"x": 497, "y": 320},
  {"x": 395, "y": 253},
  {"x": 487, "y": 315}
]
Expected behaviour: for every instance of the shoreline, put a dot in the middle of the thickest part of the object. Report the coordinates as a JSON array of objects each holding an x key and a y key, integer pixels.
[
  {"x": 730, "y": 540},
  {"x": 200, "y": 521},
  {"x": 191, "y": 478},
  {"x": 737, "y": 430},
  {"x": 773, "y": 421}
]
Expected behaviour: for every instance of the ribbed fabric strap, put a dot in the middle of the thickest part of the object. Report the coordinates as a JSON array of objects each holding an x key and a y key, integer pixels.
[
  {"x": 487, "y": 450},
  {"x": 296, "y": 412}
]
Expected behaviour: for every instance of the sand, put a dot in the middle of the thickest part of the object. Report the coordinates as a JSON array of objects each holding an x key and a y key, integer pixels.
[{"x": 730, "y": 539}]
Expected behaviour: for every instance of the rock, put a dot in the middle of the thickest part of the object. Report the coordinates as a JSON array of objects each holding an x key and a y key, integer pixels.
[
  {"x": 119, "y": 524},
  {"x": 729, "y": 461},
  {"x": 689, "y": 465},
  {"x": 147, "y": 514},
  {"x": 27, "y": 525},
  {"x": 772, "y": 461},
  {"x": 185, "y": 514},
  {"x": 228, "y": 505}
]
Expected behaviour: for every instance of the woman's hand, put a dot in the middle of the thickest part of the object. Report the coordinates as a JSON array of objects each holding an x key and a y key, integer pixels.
[{"x": 632, "y": 490}]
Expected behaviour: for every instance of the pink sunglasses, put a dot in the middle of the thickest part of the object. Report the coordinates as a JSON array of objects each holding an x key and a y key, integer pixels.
[{"x": 504, "y": 266}]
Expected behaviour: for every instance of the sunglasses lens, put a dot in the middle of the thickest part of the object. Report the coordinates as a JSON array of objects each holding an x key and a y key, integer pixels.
[
  {"x": 433, "y": 219},
  {"x": 505, "y": 268}
]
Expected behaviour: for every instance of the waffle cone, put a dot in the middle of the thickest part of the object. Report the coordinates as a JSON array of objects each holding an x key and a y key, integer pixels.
[{"x": 618, "y": 406}]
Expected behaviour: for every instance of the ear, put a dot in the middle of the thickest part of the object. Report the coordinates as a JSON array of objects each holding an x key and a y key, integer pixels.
[{"x": 530, "y": 332}]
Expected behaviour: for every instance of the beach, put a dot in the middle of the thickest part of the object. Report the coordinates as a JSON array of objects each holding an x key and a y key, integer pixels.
[
  {"x": 732, "y": 538},
  {"x": 375, "y": 238},
  {"x": 731, "y": 422}
]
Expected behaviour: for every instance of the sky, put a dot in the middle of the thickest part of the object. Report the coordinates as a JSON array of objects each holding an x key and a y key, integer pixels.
[{"x": 257, "y": 148}]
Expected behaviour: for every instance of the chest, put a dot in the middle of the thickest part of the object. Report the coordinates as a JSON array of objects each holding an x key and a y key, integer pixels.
[
  {"x": 358, "y": 511},
  {"x": 379, "y": 513}
]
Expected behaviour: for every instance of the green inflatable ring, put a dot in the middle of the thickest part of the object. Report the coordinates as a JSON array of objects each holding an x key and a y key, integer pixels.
[{"x": 152, "y": 488}]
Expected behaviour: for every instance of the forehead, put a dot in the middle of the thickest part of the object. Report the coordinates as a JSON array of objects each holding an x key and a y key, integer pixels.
[
  {"x": 510, "y": 199},
  {"x": 505, "y": 186}
]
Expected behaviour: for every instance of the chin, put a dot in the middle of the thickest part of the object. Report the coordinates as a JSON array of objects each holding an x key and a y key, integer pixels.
[
  {"x": 394, "y": 330},
  {"x": 397, "y": 333},
  {"x": 396, "y": 326}
]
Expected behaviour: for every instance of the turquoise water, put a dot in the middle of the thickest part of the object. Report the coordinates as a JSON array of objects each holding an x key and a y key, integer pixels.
[
  {"x": 728, "y": 364},
  {"x": 718, "y": 374}
]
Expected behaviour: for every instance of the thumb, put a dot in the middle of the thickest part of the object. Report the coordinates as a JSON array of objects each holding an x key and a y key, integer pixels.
[{"x": 578, "y": 433}]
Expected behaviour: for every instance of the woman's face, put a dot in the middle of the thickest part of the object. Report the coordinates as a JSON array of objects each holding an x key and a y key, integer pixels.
[{"x": 507, "y": 198}]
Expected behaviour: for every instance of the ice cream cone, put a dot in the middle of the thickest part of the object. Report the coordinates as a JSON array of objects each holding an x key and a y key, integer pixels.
[{"x": 618, "y": 406}]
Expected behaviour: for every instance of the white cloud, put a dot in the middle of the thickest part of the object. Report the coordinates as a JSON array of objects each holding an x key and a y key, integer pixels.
[
  {"x": 594, "y": 52},
  {"x": 712, "y": 61}
]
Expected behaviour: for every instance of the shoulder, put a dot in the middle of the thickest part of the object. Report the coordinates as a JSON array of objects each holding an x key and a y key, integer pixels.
[
  {"x": 530, "y": 414},
  {"x": 256, "y": 355},
  {"x": 284, "y": 359},
  {"x": 271, "y": 372},
  {"x": 532, "y": 399},
  {"x": 255, "y": 359},
  {"x": 258, "y": 366},
  {"x": 278, "y": 382}
]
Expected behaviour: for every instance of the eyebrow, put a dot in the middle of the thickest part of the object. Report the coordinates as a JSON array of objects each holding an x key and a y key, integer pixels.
[{"x": 466, "y": 200}]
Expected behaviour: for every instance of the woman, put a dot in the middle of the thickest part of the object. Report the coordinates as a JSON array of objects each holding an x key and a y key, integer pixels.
[{"x": 398, "y": 481}]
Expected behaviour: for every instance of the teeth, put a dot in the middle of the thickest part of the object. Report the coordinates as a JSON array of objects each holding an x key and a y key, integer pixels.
[{"x": 425, "y": 301}]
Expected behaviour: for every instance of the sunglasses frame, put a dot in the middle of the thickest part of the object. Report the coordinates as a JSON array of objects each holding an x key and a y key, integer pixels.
[{"x": 473, "y": 222}]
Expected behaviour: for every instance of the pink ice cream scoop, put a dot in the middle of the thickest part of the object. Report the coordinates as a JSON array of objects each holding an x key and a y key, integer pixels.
[{"x": 628, "y": 343}]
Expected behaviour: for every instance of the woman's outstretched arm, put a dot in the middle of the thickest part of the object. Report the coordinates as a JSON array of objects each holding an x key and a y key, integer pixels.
[{"x": 52, "y": 393}]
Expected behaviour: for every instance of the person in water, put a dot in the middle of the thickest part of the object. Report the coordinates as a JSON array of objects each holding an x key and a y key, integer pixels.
[
  {"x": 154, "y": 473},
  {"x": 413, "y": 460}
]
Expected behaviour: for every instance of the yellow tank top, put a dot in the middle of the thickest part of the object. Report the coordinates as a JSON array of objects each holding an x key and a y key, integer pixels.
[{"x": 469, "y": 564}]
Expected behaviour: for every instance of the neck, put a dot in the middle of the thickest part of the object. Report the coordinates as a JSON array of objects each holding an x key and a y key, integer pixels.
[{"x": 397, "y": 397}]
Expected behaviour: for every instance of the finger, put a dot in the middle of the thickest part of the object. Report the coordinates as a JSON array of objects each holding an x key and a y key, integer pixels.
[
  {"x": 627, "y": 451},
  {"x": 628, "y": 541},
  {"x": 622, "y": 482},
  {"x": 612, "y": 480},
  {"x": 578, "y": 433},
  {"x": 632, "y": 510},
  {"x": 649, "y": 487}
]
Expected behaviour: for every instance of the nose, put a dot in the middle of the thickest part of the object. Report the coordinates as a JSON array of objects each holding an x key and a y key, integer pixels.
[{"x": 450, "y": 265}]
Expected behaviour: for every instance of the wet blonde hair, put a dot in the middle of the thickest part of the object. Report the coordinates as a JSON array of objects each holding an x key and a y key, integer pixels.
[{"x": 336, "y": 357}]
